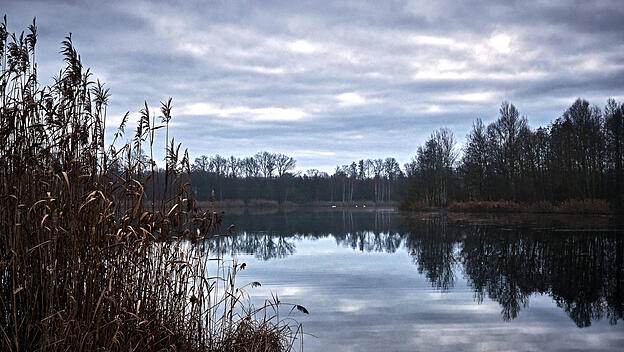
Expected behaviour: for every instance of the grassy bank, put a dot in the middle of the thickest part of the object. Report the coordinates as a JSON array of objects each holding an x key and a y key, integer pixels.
[
  {"x": 265, "y": 203},
  {"x": 86, "y": 263},
  {"x": 587, "y": 206}
]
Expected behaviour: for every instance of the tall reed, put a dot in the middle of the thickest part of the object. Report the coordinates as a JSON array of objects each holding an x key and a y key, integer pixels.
[{"x": 86, "y": 261}]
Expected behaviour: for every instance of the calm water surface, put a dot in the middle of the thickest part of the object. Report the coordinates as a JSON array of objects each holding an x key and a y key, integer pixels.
[{"x": 382, "y": 281}]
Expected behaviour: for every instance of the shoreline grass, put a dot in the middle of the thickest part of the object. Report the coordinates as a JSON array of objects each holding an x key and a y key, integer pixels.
[
  {"x": 266, "y": 203},
  {"x": 573, "y": 206},
  {"x": 578, "y": 207},
  {"x": 87, "y": 262}
]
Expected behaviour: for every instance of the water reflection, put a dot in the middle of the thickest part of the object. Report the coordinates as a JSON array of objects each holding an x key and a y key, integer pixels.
[{"x": 582, "y": 270}]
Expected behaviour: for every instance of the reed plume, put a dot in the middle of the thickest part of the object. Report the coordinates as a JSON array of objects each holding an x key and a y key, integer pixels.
[{"x": 84, "y": 263}]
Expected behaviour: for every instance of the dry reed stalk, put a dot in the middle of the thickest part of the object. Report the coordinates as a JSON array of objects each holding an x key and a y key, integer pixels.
[{"x": 84, "y": 265}]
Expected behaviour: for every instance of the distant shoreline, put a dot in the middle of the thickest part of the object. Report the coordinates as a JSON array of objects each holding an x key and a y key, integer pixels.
[
  {"x": 265, "y": 203},
  {"x": 573, "y": 207}
]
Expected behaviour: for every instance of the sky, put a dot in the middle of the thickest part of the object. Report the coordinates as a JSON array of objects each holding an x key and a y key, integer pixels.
[{"x": 332, "y": 82}]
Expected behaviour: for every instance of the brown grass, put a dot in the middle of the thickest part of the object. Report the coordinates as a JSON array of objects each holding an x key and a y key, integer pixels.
[
  {"x": 87, "y": 262},
  {"x": 232, "y": 204},
  {"x": 262, "y": 203},
  {"x": 587, "y": 206},
  {"x": 227, "y": 203},
  {"x": 417, "y": 205}
]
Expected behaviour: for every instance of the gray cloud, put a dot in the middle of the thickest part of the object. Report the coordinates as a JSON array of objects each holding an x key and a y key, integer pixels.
[{"x": 329, "y": 82}]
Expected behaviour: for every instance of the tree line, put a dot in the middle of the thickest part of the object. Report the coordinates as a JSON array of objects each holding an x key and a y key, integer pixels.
[
  {"x": 271, "y": 176},
  {"x": 577, "y": 156}
]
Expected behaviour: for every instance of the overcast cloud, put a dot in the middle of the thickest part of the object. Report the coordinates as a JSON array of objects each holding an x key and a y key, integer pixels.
[{"x": 332, "y": 82}]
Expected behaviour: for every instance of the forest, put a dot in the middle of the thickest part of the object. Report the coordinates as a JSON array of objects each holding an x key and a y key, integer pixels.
[
  {"x": 269, "y": 176},
  {"x": 578, "y": 156}
]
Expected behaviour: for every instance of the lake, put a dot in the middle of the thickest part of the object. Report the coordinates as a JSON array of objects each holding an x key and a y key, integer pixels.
[{"x": 386, "y": 281}]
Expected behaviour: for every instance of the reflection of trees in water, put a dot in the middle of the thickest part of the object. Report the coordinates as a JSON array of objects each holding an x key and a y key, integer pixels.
[
  {"x": 499, "y": 263},
  {"x": 591, "y": 278},
  {"x": 273, "y": 236},
  {"x": 316, "y": 224},
  {"x": 582, "y": 271},
  {"x": 264, "y": 246},
  {"x": 370, "y": 241},
  {"x": 432, "y": 247},
  {"x": 371, "y": 232}
]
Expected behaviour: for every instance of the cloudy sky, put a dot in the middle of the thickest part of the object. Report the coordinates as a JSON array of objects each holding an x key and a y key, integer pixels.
[{"x": 331, "y": 82}]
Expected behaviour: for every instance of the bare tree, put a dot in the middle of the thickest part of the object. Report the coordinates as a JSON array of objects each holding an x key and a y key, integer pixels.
[
  {"x": 266, "y": 162},
  {"x": 378, "y": 175},
  {"x": 312, "y": 173},
  {"x": 475, "y": 160},
  {"x": 434, "y": 167},
  {"x": 201, "y": 163},
  {"x": 218, "y": 165},
  {"x": 250, "y": 167},
  {"x": 504, "y": 139},
  {"x": 368, "y": 168},
  {"x": 284, "y": 163},
  {"x": 234, "y": 166}
]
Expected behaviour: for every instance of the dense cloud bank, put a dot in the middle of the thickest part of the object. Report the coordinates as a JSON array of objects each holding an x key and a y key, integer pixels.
[{"x": 333, "y": 82}]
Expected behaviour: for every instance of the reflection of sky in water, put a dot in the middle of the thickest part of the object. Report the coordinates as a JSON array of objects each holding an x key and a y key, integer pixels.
[{"x": 378, "y": 301}]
